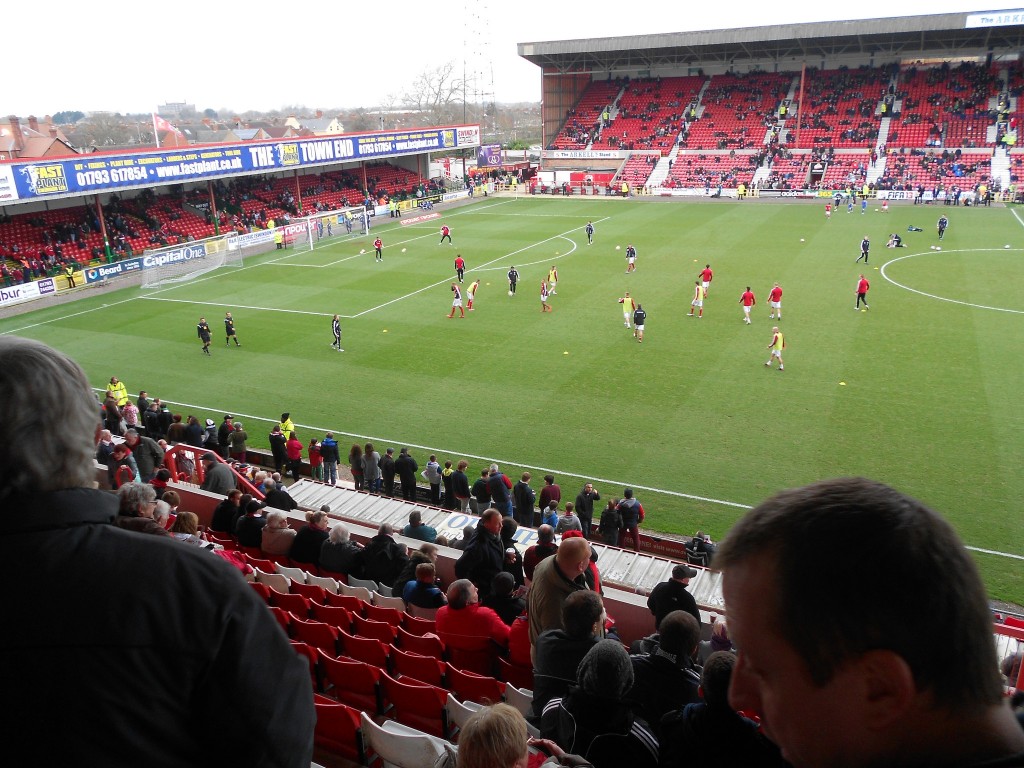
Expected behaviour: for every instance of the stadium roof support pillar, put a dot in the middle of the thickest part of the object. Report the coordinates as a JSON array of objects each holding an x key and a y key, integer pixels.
[
  {"x": 800, "y": 103},
  {"x": 298, "y": 190},
  {"x": 213, "y": 208},
  {"x": 103, "y": 230}
]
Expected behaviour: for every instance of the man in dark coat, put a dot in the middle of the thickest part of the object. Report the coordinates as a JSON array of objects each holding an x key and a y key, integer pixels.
[
  {"x": 387, "y": 471},
  {"x": 149, "y": 456},
  {"x": 216, "y": 646},
  {"x": 585, "y": 507},
  {"x": 218, "y": 477},
  {"x": 278, "y": 443},
  {"x": 406, "y": 466},
  {"x": 224, "y": 436},
  {"x": 277, "y": 497},
  {"x": 383, "y": 558},
  {"x": 671, "y": 595},
  {"x": 484, "y": 555}
]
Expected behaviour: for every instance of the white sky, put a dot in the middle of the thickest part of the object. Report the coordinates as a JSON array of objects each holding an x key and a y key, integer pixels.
[{"x": 237, "y": 55}]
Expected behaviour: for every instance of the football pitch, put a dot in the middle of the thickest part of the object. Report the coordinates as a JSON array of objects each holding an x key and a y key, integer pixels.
[{"x": 923, "y": 391}]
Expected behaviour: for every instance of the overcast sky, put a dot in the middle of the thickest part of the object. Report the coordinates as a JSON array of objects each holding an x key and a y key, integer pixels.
[{"x": 237, "y": 55}]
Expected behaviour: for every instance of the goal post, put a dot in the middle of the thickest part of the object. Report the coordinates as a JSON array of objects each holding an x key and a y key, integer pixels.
[
  {"x": 187, "y": 261},
  {"x": 326, "y": 227}
]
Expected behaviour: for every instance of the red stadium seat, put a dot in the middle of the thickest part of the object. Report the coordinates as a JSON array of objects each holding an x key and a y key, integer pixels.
[
  {"x": 338, "y": 729},
  {"x": 470, "y": 687},
  {"x": 352, "y": 682},
  {"x": 416, "y": 704},
  {"x": 425, "y": 669}
]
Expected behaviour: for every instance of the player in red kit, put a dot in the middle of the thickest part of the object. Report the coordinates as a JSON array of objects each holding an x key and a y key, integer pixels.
[
  {"x": 863, "y": 286},
  {"x": 460, "y": 267},
  {"x": 378, "y": 246},
  {"x": 747, "y": 300},
  {"x": 705, "y": 277},
  {"x": 775, "y": 302},
  {"x": 445, "y": 232},
  {"x": 828, "y": 211}
]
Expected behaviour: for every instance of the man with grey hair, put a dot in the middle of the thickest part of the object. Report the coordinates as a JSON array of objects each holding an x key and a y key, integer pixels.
[
  {"x": 119, "y": 604},
  {"x": 339, "y": 554},
  {"x": 137, "y": 505},
  {"x": 500, "y": 488},
  {"x": 149, "y": 456}
]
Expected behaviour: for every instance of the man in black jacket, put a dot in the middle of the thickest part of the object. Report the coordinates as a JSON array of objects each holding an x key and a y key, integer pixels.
[
  {"x": 671, "y": 595},
  {"x": 225, "y": 649},
  {"x": 484, "y": 556},
  {"x": 383, "y": 558},
  {"x": 585, "y": 507},
  {"x": 406, "y": 466},
  {"x": 224, "y": 436},
  {"x": 523, "y": 496},
  {"x": 387, "y": 471}
]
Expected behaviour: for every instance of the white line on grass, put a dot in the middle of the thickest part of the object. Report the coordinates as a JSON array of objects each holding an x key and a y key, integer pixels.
[
  {"x": 239, "y": 306},
  {"x": 65, "y": 317},
  {"x": 489, "y": 460},
  {"x": 481, "y": 268},
  {"x": 943, "y": 298}
]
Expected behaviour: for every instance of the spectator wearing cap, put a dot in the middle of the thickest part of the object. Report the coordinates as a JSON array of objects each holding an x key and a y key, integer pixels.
[
  {"x": 224, "y": 436},
  {"x": 211, "y": 441},
  {"x": 217, "y": 476},
  {"x": 671, "y": 595}
]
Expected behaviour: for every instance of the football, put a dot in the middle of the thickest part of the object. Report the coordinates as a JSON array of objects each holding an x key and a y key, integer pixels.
[
  {"x": 403, "y": 250},
  {"x": 618, "y": 247}
]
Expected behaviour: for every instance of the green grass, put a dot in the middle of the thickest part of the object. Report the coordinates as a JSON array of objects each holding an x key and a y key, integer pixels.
[{"x": 691, "y": 418}]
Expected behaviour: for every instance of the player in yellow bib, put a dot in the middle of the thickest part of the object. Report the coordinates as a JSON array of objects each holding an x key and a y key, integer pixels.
[
  {"x": 552, "y": 280},
  {"x": 473, "y": 288},
  {"x": 778, "y": 343},
  {"x": 698, "y": 299}
]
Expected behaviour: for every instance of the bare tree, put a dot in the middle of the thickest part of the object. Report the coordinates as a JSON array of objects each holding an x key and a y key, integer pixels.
[
  {"x": 109, "y": 129},
  {"x": 438, "y": 95}
]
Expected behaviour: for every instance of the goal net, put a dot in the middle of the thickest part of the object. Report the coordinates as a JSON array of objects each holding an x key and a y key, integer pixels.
[
  {"x": 326, "y": 227},
  {"x": 186, "y": 261}
]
